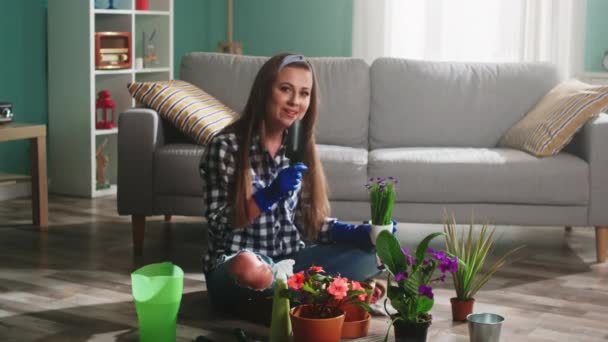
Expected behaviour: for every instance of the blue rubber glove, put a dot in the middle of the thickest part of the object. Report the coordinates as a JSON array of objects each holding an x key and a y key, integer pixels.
[
  {"x": 288, "y": 180},
  {"x": 358, "y": 234}
]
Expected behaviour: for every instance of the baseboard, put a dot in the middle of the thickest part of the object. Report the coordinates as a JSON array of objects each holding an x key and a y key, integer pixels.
[{"x": 12, "y": 191}]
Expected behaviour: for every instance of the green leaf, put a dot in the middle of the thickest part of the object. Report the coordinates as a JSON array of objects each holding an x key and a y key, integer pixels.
[
  {"x": 424, "y": 305},
  {"x": 423, "y": 246},
  {"x": 390, "y": 253},
  {"x": 306, "y": 287}
]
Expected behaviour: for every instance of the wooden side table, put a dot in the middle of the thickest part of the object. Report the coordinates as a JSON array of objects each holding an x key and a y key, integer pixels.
[{"x": 37, "y": 136}]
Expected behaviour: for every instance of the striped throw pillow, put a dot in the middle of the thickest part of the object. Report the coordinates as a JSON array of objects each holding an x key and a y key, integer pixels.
[
  {"x": 552, "y": 123},
  {"x": 196, "y": 113}
]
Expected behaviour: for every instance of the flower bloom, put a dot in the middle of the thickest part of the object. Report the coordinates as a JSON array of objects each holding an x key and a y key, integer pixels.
[
  {"x": 448, "y": 265},
  {"x": 410, "y": 260},
  {"x": 405, "y": 250},
  {"x": 425, "y": 290},
  {"x": 400, "y": 276},
  {"x": 438, "y": 255},
  {"x": 316, "y": 269},
  {"x": 356, "y": 286},
  {"x": 296, "y": 281},
  {"x": 339, "y": 287}
]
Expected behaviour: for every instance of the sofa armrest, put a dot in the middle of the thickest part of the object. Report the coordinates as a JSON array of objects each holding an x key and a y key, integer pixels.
[
  {"x": 591, "y": 144},
  {"x": 140, "y": 133}
]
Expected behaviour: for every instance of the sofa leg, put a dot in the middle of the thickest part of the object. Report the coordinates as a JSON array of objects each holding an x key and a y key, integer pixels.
[
  {"x": 138, "y": 225},
  {"x": 167, "y": 218},
  {"x": 601, "y": 242},
  {"x": 568, "y": 229}
]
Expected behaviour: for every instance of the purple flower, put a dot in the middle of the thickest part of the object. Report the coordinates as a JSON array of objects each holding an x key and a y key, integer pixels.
[
  {"x": 405, "y": 250},
  {"x": 410, "y": 260},
  {"x": 448, "y": 265},
  {"x": 425, "y": 290},
  {"x": 437, "y": 255},
  {"x": 400, "y": 276}
]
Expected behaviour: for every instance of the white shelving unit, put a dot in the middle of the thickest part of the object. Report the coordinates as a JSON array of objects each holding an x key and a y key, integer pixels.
[{"x": 74, "y": 82}]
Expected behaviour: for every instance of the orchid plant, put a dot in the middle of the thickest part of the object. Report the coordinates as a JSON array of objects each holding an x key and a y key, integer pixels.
[
  {"x": 326, "y": 293},
  {"x": 411, "y": 277},
  {"x": 382, "y": 193}
]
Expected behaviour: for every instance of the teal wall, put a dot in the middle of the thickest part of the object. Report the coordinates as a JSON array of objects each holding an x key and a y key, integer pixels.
[
  {"x": 596, "y": 37},
  {"x": 22, "y": 72},
  {"x": 265, "y": 27},
  {"x": 311, "y": 27}
]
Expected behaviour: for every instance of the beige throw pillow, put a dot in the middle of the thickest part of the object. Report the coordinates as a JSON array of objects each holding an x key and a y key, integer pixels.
[
  {"x": 196, "y": 113},
  {"x": 550, "y": 125}
]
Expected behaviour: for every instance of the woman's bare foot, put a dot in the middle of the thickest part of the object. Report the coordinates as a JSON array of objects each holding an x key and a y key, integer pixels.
[{"x": 250, "y": 271}]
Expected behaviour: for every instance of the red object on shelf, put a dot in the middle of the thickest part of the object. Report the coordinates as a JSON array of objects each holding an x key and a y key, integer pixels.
[
  {"x": 142, "y": 5},
  {"x": 104, "y": 111}
]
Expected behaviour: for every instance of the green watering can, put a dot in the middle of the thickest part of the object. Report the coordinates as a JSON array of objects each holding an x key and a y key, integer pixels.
[{"x": 157, "y": 292}]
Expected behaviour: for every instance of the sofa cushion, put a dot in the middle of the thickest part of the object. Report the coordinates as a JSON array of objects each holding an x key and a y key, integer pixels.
[
  {"x": 343, "y": 84},
  {"x": 344, "y": 101},
  {"x": 346, "y": 171},
  {"x": 480, "y": 175},
  {"x": 552, "y": 123},
  {"x": 176, "y": 170},
  {"x": 225, "y": 76},
  {"x": 197, "y": 114},
  {"x": 425, "y": 103}
]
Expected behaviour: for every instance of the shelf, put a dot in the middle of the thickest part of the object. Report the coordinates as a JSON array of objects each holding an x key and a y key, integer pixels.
[
  {"x": 152, "y": 13},
  {"x": 106, "y": 131},
  {"x": 148, "y": 70},
  {"x": 75, "y": 85},
  {"x": 113, "y": 71},
  {"x": 105, "y": 192},
  {"x": 115, "y": 11}
]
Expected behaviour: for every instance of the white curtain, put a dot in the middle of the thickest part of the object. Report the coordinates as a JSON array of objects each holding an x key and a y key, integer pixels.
[{"x": 471, "y": 30}]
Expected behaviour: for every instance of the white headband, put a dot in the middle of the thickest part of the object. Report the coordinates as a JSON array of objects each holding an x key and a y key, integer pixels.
[{"x": 292, "y": 59}]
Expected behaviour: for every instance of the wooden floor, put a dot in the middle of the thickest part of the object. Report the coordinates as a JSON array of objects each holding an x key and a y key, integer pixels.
[{"x": 72, "y": 283}]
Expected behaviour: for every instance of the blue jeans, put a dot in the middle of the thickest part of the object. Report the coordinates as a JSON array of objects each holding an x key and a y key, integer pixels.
[{"x": 348, "y": 260}]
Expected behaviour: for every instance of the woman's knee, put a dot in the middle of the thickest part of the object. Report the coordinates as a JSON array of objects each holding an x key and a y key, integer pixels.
[{"x": 249, "y": 271}]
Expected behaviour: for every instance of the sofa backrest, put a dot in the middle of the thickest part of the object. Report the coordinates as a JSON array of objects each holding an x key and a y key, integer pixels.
[
  {"x": 422, "y": 103},
  {"x": 343, "y": 82}
]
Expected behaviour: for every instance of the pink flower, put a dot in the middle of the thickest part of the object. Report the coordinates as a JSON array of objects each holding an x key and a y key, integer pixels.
[
  {"x": 356, "y": 286},
  {"x": 339, "y": 287},
  {"x": 296, "y": 281},
  {"x": 316, "y": 269}
]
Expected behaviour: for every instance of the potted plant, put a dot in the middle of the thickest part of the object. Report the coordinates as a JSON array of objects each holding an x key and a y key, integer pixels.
[
  {"x": 382, "y": 194},
  {"x": 322, "y": 299},
  {"x": 410, "y": 283},
  {"x": 472, "y": 253}
]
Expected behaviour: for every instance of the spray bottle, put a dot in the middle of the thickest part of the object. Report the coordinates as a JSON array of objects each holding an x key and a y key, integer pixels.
[{"x": 280, "y": 324}]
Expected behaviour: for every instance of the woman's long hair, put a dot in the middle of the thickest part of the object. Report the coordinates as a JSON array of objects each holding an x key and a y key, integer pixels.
[{"x": 314, "y": 204}]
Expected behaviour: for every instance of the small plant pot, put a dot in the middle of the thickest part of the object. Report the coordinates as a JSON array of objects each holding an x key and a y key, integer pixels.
[
  {"x": 411, "y": 331},
  {"x": 305, "y": 328},
  {"x": 461, "y": 308},
  {"x": 356, "y": 321},
  {"x": 377, "y": 229}
]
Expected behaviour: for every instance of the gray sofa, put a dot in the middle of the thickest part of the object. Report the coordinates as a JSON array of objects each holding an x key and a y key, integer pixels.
[{"x": 434, "y": 125}]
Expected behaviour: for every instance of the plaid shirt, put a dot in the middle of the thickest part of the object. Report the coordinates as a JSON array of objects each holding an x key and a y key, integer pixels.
[{"x": 273, "y": 233}]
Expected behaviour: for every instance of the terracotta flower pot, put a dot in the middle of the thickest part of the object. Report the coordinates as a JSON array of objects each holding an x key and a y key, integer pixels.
[
  {"x": 356, "y": 321},
  {"x": 305, "y": 328},
  {"x": 411, "y": 331},
  {"x": 461, "y": 308}
]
